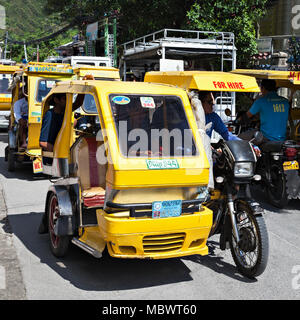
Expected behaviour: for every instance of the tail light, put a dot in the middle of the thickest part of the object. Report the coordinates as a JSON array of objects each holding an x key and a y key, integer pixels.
[{"x": 291, "y": 153}]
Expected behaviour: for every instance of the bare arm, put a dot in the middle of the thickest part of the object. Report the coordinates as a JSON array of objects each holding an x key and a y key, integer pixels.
[
  {"x": 249, "y": 114},
  {"x": 46, "y": 146}
]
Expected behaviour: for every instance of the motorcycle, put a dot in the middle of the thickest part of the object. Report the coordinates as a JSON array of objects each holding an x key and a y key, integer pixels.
[
  {"x": 278, "y": 167},
  {"x": 236, "y": 217},
  {"x": 279, "y": 170}
]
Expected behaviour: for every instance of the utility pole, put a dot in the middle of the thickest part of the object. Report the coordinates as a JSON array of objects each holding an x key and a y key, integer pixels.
[
  {"x": 5, "y": 51},
  {"x": 25, "y": 52},
  {"x": 38, "y": 53}
]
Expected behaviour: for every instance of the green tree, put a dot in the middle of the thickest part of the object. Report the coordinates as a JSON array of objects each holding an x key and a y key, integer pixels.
[
  {"x": 25, "y": 21},
  {"x": 140, "y": 17},
  {"x": 237, "y": 16}
]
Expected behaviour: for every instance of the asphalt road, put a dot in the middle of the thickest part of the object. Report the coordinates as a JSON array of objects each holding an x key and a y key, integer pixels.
[{"x": 29, "y": 271}]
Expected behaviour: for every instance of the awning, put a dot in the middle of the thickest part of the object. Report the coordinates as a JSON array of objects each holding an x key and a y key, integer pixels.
[{"x": 205, "y": 80}]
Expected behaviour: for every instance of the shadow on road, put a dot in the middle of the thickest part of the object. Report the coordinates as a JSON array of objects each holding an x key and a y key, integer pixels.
[
  {"x": 261, "y": 198},
  {"x": 23, "y": 171},
  {"x": 107, "y": 274},
  {"x": 216, "y": 263},
  {"x": 88, "y": 273}
]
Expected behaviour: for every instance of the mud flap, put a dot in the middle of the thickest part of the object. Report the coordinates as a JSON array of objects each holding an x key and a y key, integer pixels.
[{"x": 292, "y": 184}]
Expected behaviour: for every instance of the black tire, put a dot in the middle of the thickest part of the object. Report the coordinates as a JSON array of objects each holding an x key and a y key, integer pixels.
[
  {"x": 59, "y": 245},
  {"x": 11, "y": 166},
  {"x": 276, "y": 192},
  {"x": 254, "y": 242}
]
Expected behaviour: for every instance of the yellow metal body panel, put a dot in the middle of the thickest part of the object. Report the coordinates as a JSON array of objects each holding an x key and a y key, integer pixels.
[
  {"x": 5, "y": 101},
  {"x": 155, "y": 238},
  {"x": 6, "y": 98},
  {"x": 92, "y": 238},
  {"x": 204, "y": 80},
  {"x": 98, "y": 72}
]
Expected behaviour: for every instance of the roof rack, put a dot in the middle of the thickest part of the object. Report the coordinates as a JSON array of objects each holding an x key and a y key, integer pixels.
[{"x": 179, "y": 44}]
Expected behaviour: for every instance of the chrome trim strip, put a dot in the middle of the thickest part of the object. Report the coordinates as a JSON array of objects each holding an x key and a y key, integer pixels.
[{"x": 87, "y": 248}]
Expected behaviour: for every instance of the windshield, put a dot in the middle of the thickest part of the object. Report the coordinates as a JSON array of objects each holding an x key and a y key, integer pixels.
[
  {"x": 152, "y": 126},
  {"x": 44, "y": 87},
  {"x": 4, "y": 83}
]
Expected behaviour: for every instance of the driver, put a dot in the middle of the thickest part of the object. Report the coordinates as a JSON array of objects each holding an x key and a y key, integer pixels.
[
  {"x": 208, "y": 101},
  {"x": 21, "y": 116},
  {"x": 53, "y": 120},
  {"x": 273, "y": 111}
]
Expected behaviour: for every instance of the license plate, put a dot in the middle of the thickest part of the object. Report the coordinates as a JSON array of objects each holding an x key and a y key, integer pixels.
[
  {"x": 291, "y": 165},
  {"x": 166, "y": 209},
  {"x": 37, "y": 166}
]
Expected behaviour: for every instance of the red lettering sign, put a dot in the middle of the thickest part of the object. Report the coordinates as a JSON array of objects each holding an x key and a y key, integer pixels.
[
  {"x": 292, "y": 75},
  {"x": 230, "y": 85},
  {"x": 37, "y": 165}
]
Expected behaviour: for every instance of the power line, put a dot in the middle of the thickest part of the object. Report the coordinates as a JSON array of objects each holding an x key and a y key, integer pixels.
[{"x": 46, "y": 38}]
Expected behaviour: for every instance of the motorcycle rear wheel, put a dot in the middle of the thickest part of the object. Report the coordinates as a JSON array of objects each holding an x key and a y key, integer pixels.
[
  {"x": 277, "y": 193},
  {"x": 251, "y": 254}
]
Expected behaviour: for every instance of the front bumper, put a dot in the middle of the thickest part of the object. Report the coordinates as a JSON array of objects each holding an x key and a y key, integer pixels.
[{"x": 148, "y": 238}]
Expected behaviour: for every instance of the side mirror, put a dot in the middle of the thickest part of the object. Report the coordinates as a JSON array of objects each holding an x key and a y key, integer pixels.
[
  {"x": 227, "y": 112},
  {"x": 258, "y": 137}
]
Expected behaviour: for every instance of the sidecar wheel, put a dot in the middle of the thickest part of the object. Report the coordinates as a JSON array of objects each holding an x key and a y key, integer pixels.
[
  {"x": 58, "y": 244},
  {"x": 251, "y": 254}
]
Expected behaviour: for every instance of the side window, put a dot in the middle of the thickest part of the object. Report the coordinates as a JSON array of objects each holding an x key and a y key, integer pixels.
[
  {"x": 44, "y": 87},
  {"x": 89, "y": 104},
  {"x": 86, "y": 116}
]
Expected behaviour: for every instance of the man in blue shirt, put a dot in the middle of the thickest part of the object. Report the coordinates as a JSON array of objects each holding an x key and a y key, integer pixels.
[
  {"x": 207, "y": 100},
  {"x": 273, "y": 111}
]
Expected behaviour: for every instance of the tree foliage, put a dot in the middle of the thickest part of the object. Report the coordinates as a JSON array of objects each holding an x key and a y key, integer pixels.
[
  {"x": 135, "y": 18},
  {"x": 139, "y": 17},
  {"x": 26, "y": 20},
  {"x": 237, "y": 16}
]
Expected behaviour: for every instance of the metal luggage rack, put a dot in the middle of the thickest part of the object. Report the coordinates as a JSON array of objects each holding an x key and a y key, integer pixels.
[
  {"x": 178, "y": 44},
  {"x": 166, "y": 36}
]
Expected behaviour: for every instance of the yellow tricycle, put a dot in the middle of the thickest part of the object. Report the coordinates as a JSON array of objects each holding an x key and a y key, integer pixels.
[
  {"x": 134, "y": 179},
  {"x": 29, "y": 86},
  {"x": 6, "y": 72}
]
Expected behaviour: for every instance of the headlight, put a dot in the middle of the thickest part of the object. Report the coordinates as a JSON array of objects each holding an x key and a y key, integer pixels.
[{"x": 243, "y": 169}]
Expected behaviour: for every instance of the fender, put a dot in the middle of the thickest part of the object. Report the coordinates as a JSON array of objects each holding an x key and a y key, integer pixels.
[
  {"x": 255, "y": 207},
  {"x": 66, "y": 223}
]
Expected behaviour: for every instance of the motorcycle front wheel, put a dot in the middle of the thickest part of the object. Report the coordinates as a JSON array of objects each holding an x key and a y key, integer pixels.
[{"x": 251, "y": 253}]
